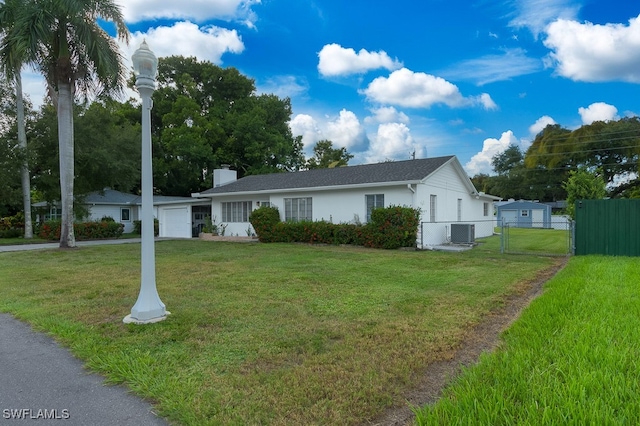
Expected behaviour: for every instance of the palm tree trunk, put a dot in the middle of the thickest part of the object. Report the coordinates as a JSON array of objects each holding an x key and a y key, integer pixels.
[
  {"x": 65, "y": 142},
  {"x": 22, "y": 142}
]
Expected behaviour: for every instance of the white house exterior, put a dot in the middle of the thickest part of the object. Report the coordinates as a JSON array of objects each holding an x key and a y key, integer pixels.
[
  {"x": 439, "y": 187},
  {"x": 178, "y": 217}
]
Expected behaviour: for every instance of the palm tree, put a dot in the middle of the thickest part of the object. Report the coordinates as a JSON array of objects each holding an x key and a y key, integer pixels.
[
  {"x": 62, "y": 39},
  {"x": 8, "y": 9}
]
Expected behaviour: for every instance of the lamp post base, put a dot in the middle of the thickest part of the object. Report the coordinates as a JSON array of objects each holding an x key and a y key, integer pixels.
[{"x": 131, "y": 320}]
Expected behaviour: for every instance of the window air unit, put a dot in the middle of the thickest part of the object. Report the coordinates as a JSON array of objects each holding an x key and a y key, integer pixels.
[{"x": 463, "y": 233}]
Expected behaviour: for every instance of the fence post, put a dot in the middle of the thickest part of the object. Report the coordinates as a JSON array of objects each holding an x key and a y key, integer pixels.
[{"x": 502, "y": 237}]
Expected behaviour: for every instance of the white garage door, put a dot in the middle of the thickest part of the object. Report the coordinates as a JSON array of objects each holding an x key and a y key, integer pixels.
[{"x": 175, "y": 222}]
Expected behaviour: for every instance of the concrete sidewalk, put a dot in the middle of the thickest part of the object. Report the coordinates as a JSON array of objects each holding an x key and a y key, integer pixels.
[
  {"x": 40, "y": 246},
  {"x": 42, "y": 383}
]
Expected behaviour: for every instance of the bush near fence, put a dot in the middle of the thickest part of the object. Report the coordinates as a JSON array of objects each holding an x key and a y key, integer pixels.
[
  {"x": 103, "y": 229},
  {"x": 390, "y": 228}
]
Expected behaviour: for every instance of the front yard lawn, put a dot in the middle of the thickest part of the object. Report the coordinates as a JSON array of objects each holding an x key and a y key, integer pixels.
[
  {"x": 571, "y": 359},
  {"x": 264, "y": 333}
]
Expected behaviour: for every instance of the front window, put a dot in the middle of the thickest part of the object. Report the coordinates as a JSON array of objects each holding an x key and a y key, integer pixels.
[
  {"x": 373, "y": 201},
  {"x": 125, "y": 215},
  {"x": 524, "y": 213},
  {"x": 486, "y": 209},
  {"x": 236, "y": 211},
  {"x": 54, "y": 214},
  {"x": 297, "y": 209}
]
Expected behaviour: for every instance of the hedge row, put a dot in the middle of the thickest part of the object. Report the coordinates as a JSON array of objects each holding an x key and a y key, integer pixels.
[
  {"x": 83, "y": 230},
  {"x": 389, "y": 228}
]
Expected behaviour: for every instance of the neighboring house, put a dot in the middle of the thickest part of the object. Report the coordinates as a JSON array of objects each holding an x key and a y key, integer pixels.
[
  {"x": 181, "y": 217},
  {"x": 524, "y": 214},
  {"x": 439, "y": 187}
]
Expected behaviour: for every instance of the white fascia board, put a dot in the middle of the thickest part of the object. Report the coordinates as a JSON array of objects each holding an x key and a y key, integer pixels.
[{"x": 314, "y": 189}]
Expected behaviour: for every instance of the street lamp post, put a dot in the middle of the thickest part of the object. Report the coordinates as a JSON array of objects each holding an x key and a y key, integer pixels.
[{"x": 148, "y": 308}]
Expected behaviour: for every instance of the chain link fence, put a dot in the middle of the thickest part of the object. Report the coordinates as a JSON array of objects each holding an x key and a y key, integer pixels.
[
  {"x": 549, "y": 238},
  {"x": 542, "y": 238}
]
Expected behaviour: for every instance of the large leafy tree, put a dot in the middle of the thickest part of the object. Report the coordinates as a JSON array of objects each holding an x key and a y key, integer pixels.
[
  {"x": 205, "y": 116},
  {"x": 610, "y": 149},
  {"x": 107, "y": 149},
  {"x": 10, "y": 154},
  {"x": 325, "y": 156},
  {"x": 583, "y": 185},
  {"x": 63, "y": 40}
]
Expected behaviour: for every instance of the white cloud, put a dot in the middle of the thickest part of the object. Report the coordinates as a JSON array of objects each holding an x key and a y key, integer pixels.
[
  {"x": 589, "y": 52},
  {"x": 386, "y": 115},
  {"x": 419, "y": 90},
  {"x": 481, "y": 162},
  {"x": 336, "y": 60},
  {"x": 535, "y": 15},
  {"x": 199, "y": 10},
  {"x": 344, "y": 131},
  {"x": 598, "y": 111},
  {"x": 491, "y": 68},
  {"x": 393, "y": 141},
  {"x": 187, "y": 39},
  {"x": 306, "y": 126},
  {"x": 284, "y": 86},
  {"x": 486, "y": 101},
  {"x": 540, "y": 125}
]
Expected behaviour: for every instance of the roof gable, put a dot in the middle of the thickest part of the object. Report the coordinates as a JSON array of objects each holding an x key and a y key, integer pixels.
[{"x": 395, "y": 171}]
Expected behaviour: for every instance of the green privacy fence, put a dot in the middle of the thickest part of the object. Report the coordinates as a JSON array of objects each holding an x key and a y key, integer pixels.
[{"x": 609, "y": 227}]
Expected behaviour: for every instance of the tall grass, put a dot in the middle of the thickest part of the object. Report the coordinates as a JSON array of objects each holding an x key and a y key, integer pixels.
[
  {"x": 572, "y": 358},
  {"x": 263, "y": 333}
]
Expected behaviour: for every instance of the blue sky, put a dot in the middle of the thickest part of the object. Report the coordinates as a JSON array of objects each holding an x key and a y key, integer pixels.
[{"x": 434, "y": 77}]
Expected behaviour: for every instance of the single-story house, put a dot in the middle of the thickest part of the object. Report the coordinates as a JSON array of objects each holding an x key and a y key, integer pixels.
[
  {"x": 438, "y": 187},
  {"x": 524, "y": 214},
  {"x": 181, "y": 217}
]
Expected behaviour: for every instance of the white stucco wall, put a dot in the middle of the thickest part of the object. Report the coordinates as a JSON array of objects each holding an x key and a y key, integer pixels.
[
  {"x": 335, "y": 206},
  {"x": 347, "y": 205},
  {"x": 97, "y": 212},
  {"x": 448, "y": 188}
]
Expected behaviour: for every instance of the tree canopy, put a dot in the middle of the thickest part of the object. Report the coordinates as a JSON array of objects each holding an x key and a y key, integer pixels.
[
  {"x": 205, "y": 116},
  {"x": 325, "y": 156},
  {"x": 609, "y": 149},
  {"x": 583, "y": 185}
]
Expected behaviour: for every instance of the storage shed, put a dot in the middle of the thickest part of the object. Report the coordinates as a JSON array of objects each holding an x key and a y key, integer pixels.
[{"x": 524, "y": 214}]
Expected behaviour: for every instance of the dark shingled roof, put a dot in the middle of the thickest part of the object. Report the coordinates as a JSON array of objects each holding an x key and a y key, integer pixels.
[{"x": 395, "y": 171}]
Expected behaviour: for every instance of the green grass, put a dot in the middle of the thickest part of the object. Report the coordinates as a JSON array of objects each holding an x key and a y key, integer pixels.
[
  {"x": 21, "y": 240},
  {"x": 263, "y": 333},
  {"x": 535, "y": 240},
  {"x": 571, "y": 359}
]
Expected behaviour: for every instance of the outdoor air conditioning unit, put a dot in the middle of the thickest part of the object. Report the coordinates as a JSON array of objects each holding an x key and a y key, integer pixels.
[{"x": 463, "y": 233}]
